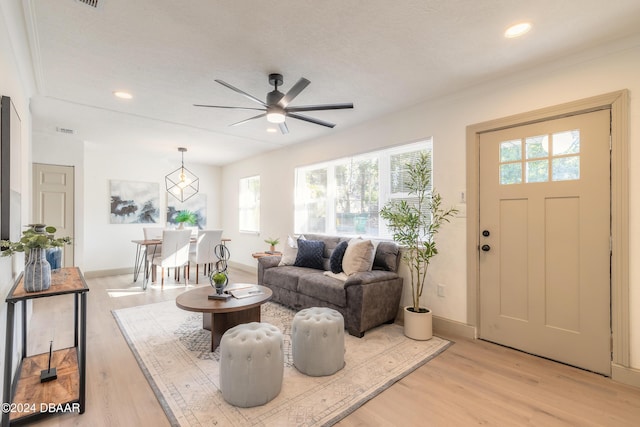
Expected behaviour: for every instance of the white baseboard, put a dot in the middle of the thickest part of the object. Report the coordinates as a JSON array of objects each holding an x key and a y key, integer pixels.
[
  {"x": 111, "y": 272},
  {"x": 629, "y": 376},
  {"x": 452, "y": 327}
]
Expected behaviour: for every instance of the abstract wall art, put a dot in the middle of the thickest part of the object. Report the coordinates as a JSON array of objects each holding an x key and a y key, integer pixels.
[
  {"x": 134, "y": 202},
  {"x": 196, "y": 204}
]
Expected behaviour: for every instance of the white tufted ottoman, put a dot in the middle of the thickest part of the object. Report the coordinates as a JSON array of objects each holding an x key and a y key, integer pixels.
[
  {"x": 251, "y": 364},
  {"x": 317, "y": 336}
]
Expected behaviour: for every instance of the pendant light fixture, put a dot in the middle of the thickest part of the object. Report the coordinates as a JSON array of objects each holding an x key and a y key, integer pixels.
[{"x": 182, "y": 183}]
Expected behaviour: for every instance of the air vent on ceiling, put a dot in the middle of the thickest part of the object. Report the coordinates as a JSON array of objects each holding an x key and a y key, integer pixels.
[
  {"x": 65, "y": 130},
  {"x": 92, "y": 3}
]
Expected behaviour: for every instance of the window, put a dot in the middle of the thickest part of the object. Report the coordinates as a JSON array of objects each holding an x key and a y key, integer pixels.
[
  {"x": 554, "y": 157},
  {"x": 344, "y": 196},
  {"x": 249, "y": 209}
]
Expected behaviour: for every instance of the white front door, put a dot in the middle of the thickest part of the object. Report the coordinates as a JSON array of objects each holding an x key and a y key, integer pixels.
[
  {"x": 545, "y": 239},
  {"x": 53, "y": 202}
]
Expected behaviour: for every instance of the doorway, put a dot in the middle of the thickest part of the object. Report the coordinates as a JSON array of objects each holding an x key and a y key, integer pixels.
[
  {"x": 545, "y": 221},
  {"x": 53, "y": 202},
  {"x": 618, "y": 103}
]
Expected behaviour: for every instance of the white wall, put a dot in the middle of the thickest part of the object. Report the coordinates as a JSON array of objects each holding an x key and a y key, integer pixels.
[
  {"x": 15, "y": 84},
  {"x": 446, "y": 120},
  {"x": 100, "y": 245},
  {"x": 108, "y": 246}
]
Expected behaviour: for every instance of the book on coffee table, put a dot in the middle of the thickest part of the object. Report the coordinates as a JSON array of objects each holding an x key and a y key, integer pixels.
[{"x": 243, "y": 290}]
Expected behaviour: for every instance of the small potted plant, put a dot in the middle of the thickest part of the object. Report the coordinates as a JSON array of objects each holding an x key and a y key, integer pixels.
[
  {"x": 34, "y": 243},
  {"x": 414, "y": 227},
  {"x": 185, "y": 217},
  {"x": 272, "y": 244},
  {"x": 219, "y": 280}
]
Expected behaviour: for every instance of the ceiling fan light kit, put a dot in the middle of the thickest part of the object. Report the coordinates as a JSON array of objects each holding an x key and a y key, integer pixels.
[
  {"x": 275, "y": 115},
  {"x": 276, "y": 108}
]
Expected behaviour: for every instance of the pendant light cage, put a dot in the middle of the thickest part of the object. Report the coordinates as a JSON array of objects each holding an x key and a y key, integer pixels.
[{"x": 182, "y": 183}]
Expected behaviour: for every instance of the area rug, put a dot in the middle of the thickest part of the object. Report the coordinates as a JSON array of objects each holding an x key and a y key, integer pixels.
[{"x": 173, "y": 352}]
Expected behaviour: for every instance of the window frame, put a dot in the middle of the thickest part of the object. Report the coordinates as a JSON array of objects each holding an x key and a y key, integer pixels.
[
  {"x": 385, "y": 194},
  {"x": 245, "y": 208}
]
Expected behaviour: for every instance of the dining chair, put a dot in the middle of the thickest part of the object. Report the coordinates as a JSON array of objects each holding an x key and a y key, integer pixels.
[
  {"x": 151, "y": 233},
  {"x": 174, "y": 253},
  {"x": 204, "y": 251}
]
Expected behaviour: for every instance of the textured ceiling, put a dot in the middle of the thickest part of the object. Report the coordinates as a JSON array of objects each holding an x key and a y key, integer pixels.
[{"x": 381, "y": 55}]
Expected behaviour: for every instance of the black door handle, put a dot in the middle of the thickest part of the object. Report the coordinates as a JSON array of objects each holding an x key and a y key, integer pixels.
[{"x": 486, "y": 248}]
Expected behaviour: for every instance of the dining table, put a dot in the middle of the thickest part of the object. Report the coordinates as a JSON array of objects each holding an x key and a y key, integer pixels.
[{"x": 146, "y": 246}]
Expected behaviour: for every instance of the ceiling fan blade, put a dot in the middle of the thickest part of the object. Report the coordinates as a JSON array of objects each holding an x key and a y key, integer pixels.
[
  {"x": 320, "y": 107},
  {"x": 283, "y": 128},
  {"x": 246, "y": 120},
  {"x": 241, "y": 92},
  {"x": 311, "y": 120},
  {"x": 234, "y": 108},
  {"x": 293, "y": 92}
]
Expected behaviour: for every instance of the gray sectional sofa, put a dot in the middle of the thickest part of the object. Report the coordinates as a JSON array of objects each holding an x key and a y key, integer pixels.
[{"x": 366, "y": 299}]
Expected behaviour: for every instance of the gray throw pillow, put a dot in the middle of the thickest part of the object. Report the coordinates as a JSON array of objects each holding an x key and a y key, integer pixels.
[
  {"x": 335, "y": 261},
  {"x": 310, "y": 254},
  {"x": 386, "y": 256}
]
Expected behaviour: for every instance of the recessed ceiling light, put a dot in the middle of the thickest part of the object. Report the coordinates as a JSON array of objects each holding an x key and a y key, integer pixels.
[
  {"x": 122, "y": 94},
  {"x": 271, "y": 130},
  {"x": 517, "y": 30}
]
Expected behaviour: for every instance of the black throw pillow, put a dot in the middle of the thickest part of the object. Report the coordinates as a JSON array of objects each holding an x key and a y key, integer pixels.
[
  {"x": 335, "y": 262},
  {"x": 310, "y": 254}
]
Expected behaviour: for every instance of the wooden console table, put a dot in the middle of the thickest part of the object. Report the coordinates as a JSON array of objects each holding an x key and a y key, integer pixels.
[{"x": 28, "y": 398}]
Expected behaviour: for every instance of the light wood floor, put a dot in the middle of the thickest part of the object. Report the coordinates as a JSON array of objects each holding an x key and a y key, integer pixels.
[{"x": 472, "y": 383}]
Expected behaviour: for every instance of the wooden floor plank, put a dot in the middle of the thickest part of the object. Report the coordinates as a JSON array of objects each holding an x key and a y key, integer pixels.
[{"x": 471, "y": 383}]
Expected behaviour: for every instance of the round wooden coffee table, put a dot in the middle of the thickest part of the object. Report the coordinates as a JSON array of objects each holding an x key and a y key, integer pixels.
[{"x": 218, "y": 315}]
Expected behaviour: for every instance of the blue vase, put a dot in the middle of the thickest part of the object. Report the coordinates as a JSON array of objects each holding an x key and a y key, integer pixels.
[
  {"x": 37, "y": 271},
  {"x": 54, "y": 257}
]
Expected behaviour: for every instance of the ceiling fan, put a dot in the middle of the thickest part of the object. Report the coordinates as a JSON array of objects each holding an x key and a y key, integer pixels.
[{"x": 276, "y": 109}]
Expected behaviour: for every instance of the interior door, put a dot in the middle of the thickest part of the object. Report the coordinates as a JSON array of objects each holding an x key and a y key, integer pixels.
[
  {"x": 53, "y": 202},
  {"x": 545, "y": 239}
]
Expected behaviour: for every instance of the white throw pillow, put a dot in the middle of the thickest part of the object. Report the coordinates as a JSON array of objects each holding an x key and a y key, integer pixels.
[
  {"x": 358, "y": 257},
  {"x": 290, "y": 251}
]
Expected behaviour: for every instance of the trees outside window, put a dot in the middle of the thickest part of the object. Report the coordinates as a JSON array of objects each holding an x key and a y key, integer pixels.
[{"x": 345, "y": 196}]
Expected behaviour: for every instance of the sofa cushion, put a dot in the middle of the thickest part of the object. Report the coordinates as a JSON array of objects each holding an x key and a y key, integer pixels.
[
  {"x": 358, "y": 256},
  {"x": 330, "y": 242},
  {"x": 285, "y": 276},
  {"x": 310, "y": 254},
  {"x": 290, "y": 251},
  {"x": 386, "y": 256},
  {"x": 335, "y": 262},
  {"x": 324, "y": 288}
]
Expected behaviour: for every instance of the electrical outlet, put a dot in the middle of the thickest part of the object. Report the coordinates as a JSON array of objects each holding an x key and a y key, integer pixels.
[{"x": 441, "y": 290}]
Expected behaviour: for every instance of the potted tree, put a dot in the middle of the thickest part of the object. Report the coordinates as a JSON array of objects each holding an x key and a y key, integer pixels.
[
  {"x": 34, "y": 243},
  {"x": 185, "y": 217},
  {"x": 414, "y": 226}
]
